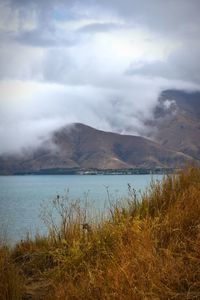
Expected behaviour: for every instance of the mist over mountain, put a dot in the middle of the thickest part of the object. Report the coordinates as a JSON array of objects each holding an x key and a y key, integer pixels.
[
  {"x": 104, "y": 64},
  {"x": 177, "y": 122},
  {"x": 174, "y": 142},
  {"x": 100, "y": 63}
]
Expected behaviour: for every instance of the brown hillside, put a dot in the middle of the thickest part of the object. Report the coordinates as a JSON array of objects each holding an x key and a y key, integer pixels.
[{"x": 81, "y": 146}]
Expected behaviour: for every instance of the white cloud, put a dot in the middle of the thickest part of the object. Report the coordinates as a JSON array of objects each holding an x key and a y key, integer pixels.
[
  {"x": 100, "y": 63},
  {"x": 34, "y": 110}
]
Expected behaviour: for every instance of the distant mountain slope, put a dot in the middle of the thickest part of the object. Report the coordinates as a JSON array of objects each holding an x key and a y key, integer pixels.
[
  {"x": 81, "y": 146},
  {"x": 177, "y": 119},
  {"x": 176, "y": 142}
]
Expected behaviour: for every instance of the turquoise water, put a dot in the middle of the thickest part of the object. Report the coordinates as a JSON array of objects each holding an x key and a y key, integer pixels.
[{"x": 21, "y": 197}]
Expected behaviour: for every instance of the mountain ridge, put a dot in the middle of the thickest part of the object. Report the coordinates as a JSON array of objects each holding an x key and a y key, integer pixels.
[
  {"x": 178, "y": 126},
  {"x": 174, "y": 143},
  {"x": 81, "y": 146}
]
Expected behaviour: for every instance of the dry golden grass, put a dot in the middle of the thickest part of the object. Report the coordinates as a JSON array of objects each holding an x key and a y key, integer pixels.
[
  {"x": 11, "y": 281},
  {"x": 144, "y": 250}
]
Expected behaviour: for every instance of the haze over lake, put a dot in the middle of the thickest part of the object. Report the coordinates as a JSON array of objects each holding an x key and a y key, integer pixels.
[{"x": 21, "y": 197}]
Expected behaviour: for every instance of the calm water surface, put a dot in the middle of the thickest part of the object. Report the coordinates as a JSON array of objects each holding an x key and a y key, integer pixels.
[{"x": 21, "y": 197}]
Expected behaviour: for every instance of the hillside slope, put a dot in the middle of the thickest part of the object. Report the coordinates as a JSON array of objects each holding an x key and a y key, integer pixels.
[
  {"x": 177, "y": 122},
  {"x": 81, "y": 146}
]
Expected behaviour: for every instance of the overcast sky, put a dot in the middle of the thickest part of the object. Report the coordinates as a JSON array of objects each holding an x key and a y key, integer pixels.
[{"x": 102, "y": 63}]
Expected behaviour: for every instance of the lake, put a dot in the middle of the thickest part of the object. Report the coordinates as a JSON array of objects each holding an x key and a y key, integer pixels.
[{"x": 21, "y": 197}]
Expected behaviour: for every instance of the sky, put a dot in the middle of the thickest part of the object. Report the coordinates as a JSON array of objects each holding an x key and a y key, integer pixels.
[{"x": 101, "y": 63}]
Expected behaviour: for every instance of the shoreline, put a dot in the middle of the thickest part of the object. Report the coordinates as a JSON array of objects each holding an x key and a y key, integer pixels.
[{"x": 132, "y": 171}]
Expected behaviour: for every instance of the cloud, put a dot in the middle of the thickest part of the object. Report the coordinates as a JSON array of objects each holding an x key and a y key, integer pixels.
[
  {"x": 20, "y": 62},
  {"x": 45, "y": 38},
  {"x": 99, "y": 27},
  {"x": 102, "y": 63},
  {"x": 182, "y": 64},
  {"x": 172, "y": 17},
  {"x": 34, "y": 110}
]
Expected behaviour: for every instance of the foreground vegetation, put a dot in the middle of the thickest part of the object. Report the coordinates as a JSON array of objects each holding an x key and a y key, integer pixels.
[{"x": 142, "y": 250}]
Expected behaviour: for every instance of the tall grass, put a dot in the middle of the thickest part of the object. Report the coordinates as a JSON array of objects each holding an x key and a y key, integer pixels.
[
  {"x": 147, "y": 249},
  {"x": 11, "y": 281}
]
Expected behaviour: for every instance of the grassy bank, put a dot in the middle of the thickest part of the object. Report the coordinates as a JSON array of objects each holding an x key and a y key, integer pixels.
[{"x": 143, "y": 250}]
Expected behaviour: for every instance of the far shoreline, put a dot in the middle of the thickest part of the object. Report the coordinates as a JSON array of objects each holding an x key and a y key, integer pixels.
[{"x": 85, "y": 172}]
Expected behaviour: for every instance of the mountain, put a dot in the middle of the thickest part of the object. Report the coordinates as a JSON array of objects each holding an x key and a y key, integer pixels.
[
  {"x": 81, "y": 146},
  {"x": 174, "y": 142},
  {"x": 177, "y": 122}
]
